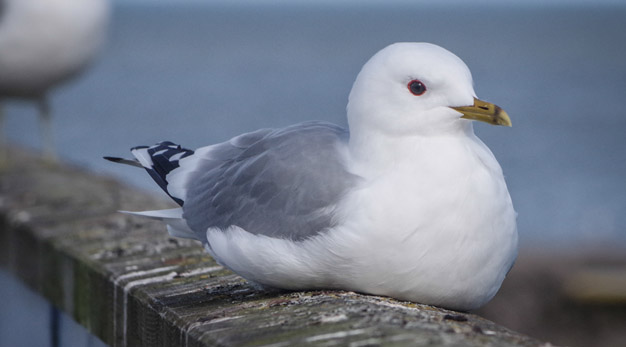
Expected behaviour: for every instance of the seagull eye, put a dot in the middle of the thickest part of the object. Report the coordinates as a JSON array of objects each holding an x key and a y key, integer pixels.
[{"x": 417, "y": 87}]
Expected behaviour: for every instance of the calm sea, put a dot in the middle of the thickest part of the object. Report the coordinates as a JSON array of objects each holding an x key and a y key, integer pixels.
[{"x": 202, "y": 74}]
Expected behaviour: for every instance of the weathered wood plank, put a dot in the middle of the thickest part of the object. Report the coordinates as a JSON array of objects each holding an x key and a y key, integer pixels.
[{"x": 130, "y": 283}]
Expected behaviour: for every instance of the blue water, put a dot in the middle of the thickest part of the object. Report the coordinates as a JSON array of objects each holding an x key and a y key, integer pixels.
[{"x": 202, "y": 74}]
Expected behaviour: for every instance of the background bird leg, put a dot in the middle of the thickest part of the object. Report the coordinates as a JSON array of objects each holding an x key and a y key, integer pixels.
[
  {"x": 45, "y": 124},
  {"x": 3, "y": 139}
]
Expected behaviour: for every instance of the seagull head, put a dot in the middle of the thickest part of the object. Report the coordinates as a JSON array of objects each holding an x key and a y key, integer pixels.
[{"x": 412, "y": 88}]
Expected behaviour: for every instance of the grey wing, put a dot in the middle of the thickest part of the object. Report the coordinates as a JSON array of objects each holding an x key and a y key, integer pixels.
[{"x": 281, "y": 183}]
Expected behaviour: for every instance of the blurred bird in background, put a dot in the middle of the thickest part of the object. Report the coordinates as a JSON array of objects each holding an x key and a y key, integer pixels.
[{"x": 44, "y": 43}]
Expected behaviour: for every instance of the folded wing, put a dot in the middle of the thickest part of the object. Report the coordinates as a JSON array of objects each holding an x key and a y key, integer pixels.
[{"x": 283, "y": 183}]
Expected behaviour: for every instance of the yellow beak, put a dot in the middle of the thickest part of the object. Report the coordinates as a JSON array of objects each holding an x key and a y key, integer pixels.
[{"x": 485, "y": 112}]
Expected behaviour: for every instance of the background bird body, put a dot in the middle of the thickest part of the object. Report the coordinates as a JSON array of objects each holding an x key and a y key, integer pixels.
[
  {"x": 43, "y": 42},
  {"x": 418, "y": 208},
  {"x": 46, "y": 42}
]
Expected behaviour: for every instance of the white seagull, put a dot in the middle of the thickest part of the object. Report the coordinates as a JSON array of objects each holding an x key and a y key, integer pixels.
[
  {"x": 408, "y": 203},
  {"x": 44, "y": 43}
]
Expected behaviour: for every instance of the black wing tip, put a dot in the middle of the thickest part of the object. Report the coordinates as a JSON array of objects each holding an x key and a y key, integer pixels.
[
  {"x": 161, "y": 145},
  {"x": 130, "y": 162}
]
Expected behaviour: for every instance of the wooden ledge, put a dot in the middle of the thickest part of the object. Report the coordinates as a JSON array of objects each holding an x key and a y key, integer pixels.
[{"x": 129, "y": 283}]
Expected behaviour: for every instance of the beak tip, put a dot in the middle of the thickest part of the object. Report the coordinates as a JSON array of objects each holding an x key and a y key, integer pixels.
[{"x": 502, "y": 118}]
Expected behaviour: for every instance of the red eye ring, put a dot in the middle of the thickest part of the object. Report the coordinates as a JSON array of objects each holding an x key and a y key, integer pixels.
[{"x": 416, "y": 87}]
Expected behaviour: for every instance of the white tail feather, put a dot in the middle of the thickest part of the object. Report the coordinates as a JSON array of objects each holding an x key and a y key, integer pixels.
[{"x": 176, "y": 225}]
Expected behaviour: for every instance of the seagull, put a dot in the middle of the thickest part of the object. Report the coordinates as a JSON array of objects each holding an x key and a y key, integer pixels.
[
  {"x": 44, "y": 43},
  {"x": 407, "y": 203}
]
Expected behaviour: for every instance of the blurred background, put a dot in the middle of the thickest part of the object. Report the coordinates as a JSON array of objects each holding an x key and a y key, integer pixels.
[{"x": 201, "y": 72}]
